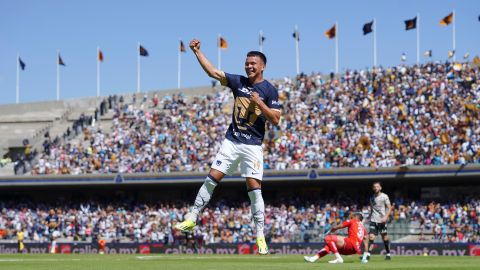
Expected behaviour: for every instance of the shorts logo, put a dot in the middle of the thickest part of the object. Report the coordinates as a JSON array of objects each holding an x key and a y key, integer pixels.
[
  {"x": 256, "y": 165},
  {"x": 219, "y": 162}
]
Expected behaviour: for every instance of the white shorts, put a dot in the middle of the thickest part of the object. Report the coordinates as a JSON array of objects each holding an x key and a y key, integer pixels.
[
  {"x": 249, "y": 157},
  {"x": 54, "y": 234}
]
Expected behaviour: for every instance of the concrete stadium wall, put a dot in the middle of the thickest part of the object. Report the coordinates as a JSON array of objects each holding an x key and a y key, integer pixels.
[
  {"x": 32, "y": 112},
  {"x": 430, "y": 173},
  {"x": 45, "y": 106}
]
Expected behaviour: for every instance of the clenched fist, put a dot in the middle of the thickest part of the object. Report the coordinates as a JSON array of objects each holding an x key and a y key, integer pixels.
[{"x": 195, "y": 45}]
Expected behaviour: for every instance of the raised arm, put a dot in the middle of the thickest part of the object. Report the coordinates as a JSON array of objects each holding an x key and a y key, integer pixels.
[
  {"x": 211, "y": 71},
  {"x": 341, "y": 226}
]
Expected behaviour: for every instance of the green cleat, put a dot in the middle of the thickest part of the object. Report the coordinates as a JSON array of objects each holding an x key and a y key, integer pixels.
[
  {"x": 186, "y": 226},
  {"x": 262, "y": 246}
]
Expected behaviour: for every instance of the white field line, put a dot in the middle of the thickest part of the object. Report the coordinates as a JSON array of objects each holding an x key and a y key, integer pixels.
[
  {"x": 163, "y": 257},
  {"x": 37, "y": 260}
]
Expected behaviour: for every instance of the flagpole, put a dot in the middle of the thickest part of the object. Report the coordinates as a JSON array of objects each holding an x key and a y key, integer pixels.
[
  {"x": 453, "y": 35},
  {"x": 179, "y": 58},
  {"x": 58, "y": 74},
  {"x": 17, "y": 98},
  {"x": 297, "y": 50},
  {"x": 138, "y": 67},
  {"x": 418, "y": 38},
  {"x": 261, "y": 41},
  {"x": 98, "y": 71},
  {"x": 374, "y": 42},
  {"x": 336, "y": 47}
]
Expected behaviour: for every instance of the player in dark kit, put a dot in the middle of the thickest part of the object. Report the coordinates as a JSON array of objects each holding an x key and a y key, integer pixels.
[
  {"x": 52, "y": 224},
  {"x": 256, "y": 102}
]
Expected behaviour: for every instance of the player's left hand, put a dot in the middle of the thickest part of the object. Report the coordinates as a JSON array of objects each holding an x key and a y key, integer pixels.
[{"x": 255, "y": 98}]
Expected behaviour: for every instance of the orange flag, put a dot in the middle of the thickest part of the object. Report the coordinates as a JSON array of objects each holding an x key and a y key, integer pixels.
[
  {"x": 332, "y": 32},
  {"x": 100, "y": 56},
  {"x": 222, "y": 43},
  {"x": 447, "y": 20}
]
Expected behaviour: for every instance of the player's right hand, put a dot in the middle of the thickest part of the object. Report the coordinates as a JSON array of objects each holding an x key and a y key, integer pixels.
[{"x": 195, "y": 45}]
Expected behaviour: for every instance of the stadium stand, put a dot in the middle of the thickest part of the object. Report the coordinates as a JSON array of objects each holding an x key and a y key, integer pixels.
[
  {"x": 50, "y": 121},
  {"x": 394, "y": 117},
  {"x": 404, "y": 115},
  {"x": 226, "y": 222}
]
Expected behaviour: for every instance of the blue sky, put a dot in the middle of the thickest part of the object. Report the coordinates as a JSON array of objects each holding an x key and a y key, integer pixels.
[{"x": 36, "y": 29}]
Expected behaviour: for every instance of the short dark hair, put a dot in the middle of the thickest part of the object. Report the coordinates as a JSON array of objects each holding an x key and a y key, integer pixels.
[
  {"x": 259, "y": 54},
  {"x": 377, "y": 182},
  {"x": 359, "y": 216}
]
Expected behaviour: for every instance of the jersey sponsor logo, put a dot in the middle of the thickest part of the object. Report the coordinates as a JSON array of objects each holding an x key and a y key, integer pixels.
[
  {"x": 246, "y": 90},
  {"x": 240, "y": 134},
  {"x": 275, "y": 102}
]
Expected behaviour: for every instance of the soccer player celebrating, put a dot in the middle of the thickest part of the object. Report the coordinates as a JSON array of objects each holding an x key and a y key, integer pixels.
[
  {"x": 380, "y": 210},
  {"x": 256, "y": 101},
  {"x": 52, "y": 223},
  {"x": 340, "y": 245}
]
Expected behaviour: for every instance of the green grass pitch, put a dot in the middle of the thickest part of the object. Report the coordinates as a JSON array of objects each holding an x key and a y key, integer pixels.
[{"x": 223, "y": 262}]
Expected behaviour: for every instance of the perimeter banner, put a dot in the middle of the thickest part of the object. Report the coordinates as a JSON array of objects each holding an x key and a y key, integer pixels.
[{"x": 400, "y": 249}]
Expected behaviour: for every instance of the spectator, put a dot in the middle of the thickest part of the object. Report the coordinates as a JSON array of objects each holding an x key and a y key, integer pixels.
[
  {"x": 418, "y": 115},
  {"x": 285, "y": 221}
]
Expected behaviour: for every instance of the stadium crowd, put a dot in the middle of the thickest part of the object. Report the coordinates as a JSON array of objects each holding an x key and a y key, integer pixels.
[
  {"x": 404, "y": 115},
  {"x": 290, "y": 221}
]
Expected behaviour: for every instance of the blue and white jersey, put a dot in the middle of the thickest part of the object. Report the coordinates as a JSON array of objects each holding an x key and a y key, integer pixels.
[
  {"x": 50, "y": 220},
  {"x": 248, "y": 122}
]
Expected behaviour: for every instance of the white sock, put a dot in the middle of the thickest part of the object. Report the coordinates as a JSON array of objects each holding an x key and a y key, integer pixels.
[
  {"x": 203, "y": 197},
  {"x": 338, "y": 257},
  {"x": 316, "y": 257},
  {"x": 54, "y": 246},
  {"x": 258, "y": 210},
  {"x": 365, "y": 254}
]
